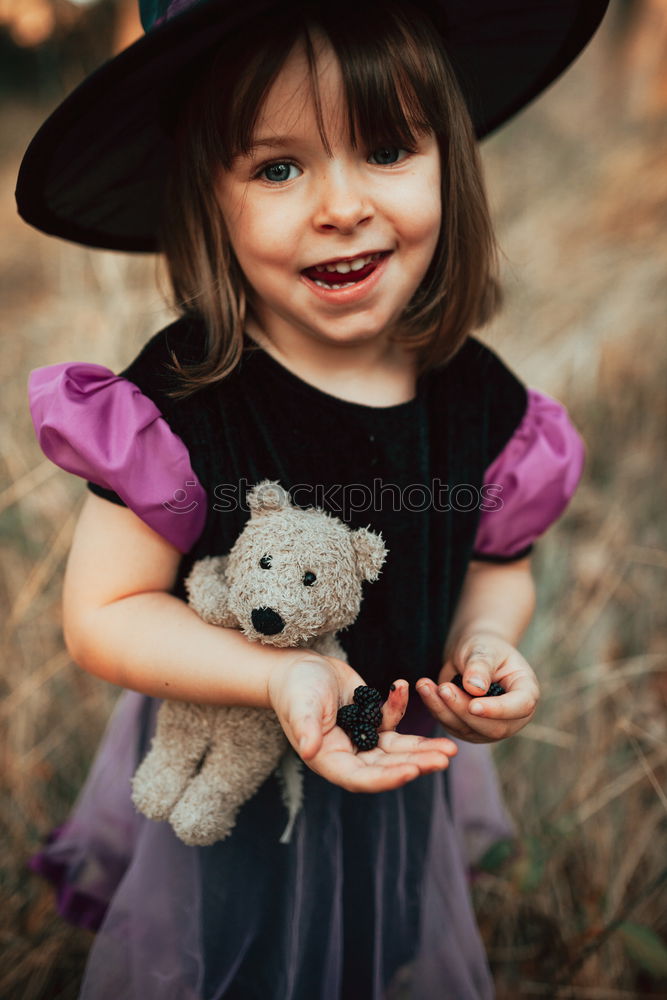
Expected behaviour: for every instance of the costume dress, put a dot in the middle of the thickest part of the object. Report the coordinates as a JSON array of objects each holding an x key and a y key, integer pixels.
[{"x": 371, "y": 888}]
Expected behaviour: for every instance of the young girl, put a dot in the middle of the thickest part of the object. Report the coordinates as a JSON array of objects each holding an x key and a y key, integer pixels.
[{"x": 328, "y": 240}]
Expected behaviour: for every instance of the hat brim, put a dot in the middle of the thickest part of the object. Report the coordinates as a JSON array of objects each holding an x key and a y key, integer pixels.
[{"x": 94, "y": 173}]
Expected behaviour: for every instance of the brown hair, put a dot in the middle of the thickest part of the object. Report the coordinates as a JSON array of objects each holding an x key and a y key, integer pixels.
[{"x": 398, "y": 83}]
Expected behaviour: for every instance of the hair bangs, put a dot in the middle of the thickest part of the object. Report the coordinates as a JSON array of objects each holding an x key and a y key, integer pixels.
[
  {"x": 398, "y": 84},
  {"x": 232, "y": 128},
  {"x": 391, "y": 91}
]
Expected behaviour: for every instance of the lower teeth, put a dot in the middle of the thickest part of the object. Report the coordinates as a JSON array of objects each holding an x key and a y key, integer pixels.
[{"x": 324, "y": 284}]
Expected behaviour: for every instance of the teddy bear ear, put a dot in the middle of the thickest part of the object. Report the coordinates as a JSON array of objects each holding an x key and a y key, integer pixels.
[
  {"x": 266, "y": 497},
  {"x": 370, "y": 551}
]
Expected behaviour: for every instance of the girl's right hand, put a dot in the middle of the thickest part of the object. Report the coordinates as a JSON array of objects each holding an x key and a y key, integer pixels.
[{"x": 307, "y": 690}]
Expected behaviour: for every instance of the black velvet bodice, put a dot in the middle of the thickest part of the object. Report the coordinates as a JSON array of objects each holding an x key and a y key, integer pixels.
[{"x": 410, "y": 471}]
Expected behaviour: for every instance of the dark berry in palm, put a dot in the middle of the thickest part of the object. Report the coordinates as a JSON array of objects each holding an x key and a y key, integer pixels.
[
  {"x": 493, "y": 691},
  {"x": 367, "y": 698},
  {"x": 348, "y": 716},
  {"x": 374, "y": 717},
  {"x": 364, "y": 735}
]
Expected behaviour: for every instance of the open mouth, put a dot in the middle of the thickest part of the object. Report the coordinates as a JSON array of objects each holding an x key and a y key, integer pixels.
[{"x": 343, "y": 273}]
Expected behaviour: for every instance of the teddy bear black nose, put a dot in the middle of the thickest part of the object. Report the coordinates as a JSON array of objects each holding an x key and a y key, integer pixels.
[{"x": 267, "y": 621}]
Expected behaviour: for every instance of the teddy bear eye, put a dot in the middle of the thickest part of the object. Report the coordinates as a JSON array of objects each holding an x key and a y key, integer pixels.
[
  {"x": 265, "y": 562},
  {"x": 309, "y": 579}
]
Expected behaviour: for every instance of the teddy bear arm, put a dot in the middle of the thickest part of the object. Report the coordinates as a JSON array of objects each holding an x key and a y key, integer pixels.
[
  {"x": 328, "y": 645},
  {"x": 208, "y": 591}
]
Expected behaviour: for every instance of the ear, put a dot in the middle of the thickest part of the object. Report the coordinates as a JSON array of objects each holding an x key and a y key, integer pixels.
[
  {"x": 266, "y": 497},
  {"x": 370, "y": 551}
]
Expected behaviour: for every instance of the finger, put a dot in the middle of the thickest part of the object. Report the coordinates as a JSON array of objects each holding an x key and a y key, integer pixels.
[
  {"x": 389, "y": 758},
  {"x": 392, "y": 748},
  {"x": 471, "y": 679},
  {"x": 394, "y": 707},
  {"x": 350, "y": 771},
  {"x": 466, "y": 711},
  {"x": 513, "y": 705},
  {"x": 452, "y": 708},
  {"x": 442, "y": 711},
  {"x": 426, "y": 760},
  {"x": 382, "y": 779},
  {"x": 477, "y": 668},
  {"x": 406, "y": 742},
  {"x": 377, "y": 769},
  {"x": 307, "y": 729},
  {"x": 380, "y": 775}
]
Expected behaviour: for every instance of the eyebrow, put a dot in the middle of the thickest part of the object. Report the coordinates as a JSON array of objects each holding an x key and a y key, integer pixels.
[{"x": 273, "y": 141}]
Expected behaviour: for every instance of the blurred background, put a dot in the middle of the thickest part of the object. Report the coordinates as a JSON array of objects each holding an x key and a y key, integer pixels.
[{"x": 578, "y": 185}]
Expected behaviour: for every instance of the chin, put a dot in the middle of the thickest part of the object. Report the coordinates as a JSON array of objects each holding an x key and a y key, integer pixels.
[{"x": 350, "y": 337}]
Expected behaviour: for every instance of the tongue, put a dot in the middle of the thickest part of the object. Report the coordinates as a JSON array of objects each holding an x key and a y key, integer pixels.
[{"x": 334, "y": 278}]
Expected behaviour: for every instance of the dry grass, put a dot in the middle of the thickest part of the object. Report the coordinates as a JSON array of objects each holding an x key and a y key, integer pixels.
[
  {"x": 583, "y": 902},
  {"x": 578, "y": 186}
]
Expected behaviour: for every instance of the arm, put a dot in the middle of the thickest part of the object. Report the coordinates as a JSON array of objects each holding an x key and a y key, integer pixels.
[
  {"x": 497, "y": 598},
  {"x": 495, "y": 607},
  {"x": 121, "y": 624}
]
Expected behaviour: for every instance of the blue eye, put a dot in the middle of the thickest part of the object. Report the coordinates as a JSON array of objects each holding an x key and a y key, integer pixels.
[
  {"x": 278, "y": 172},
  {"x": 387, "y": 155}
]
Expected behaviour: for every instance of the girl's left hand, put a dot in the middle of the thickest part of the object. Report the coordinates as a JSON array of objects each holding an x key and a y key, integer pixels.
[{"x": 482, "y": 657}]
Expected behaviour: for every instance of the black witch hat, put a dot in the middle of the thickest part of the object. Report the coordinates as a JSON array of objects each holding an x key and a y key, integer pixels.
[{"x": 95, "y": 171}]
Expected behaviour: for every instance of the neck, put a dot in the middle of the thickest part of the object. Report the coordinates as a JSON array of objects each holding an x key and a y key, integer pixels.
[{"x": 377, "y": 372}]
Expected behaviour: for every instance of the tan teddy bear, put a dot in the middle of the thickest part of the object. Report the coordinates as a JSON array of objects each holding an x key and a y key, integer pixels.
[{"x": 293, "y": 578}]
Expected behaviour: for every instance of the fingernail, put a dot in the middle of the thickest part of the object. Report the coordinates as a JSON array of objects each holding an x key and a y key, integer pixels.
[
  {"x": 447, "y": 692},
  {"x": 477, "y": 683},
  {"x": 476, "y": 708}
]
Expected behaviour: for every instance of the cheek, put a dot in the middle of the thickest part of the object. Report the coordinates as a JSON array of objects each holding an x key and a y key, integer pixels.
[
  {"x": 247, "y": 226},
  {"x": 426, "y": 215},
  {"x": 262, "y": 235},
  {"x": 420, "y": 211}
]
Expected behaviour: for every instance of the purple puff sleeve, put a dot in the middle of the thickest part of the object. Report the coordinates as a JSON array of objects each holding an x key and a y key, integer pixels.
[
  {"x": 531, "y": 481},
  {"x": 101, "y": 426}
]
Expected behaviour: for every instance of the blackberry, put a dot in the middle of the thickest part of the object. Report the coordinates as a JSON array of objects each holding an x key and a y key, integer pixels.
[
  {"x": 348, "y": 716},
  {"x": 367, "y": 698},
  {"x": 375, "y": 717},
  {"x": 493, "y": 691},
  {"x": 364, "y": 735},
  {"x": 362, "y": 719}
]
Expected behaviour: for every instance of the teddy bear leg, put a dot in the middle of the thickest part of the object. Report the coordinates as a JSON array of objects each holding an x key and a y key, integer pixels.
[
  {"x": 181, "y": 738},
  {"x": 290, "y": 776},
  {"x": 246, "y": 747}
]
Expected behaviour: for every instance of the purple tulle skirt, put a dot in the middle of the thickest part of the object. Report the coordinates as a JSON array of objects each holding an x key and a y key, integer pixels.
[{"x": 369, "y": 900}]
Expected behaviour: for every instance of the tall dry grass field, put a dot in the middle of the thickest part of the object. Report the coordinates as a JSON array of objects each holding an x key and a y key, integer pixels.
[{"x": 577, "y": 906}]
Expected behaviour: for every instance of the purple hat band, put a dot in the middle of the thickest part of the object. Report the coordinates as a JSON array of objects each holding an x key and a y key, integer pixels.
[
  {"x": 176, "y": 6},
  {"x": 156, "y": 12}
]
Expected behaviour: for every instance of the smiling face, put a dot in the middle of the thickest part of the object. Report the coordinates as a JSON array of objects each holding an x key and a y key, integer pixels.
[{"x": 333, "y": 243}]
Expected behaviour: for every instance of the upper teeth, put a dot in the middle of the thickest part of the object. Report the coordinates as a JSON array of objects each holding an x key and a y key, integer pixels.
[{"x": 345, "y": 266}]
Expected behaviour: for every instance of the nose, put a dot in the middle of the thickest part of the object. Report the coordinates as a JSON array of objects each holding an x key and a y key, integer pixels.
[
  {"x": 343, "y": 201},
  {"x": 267, "y": 621}
]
